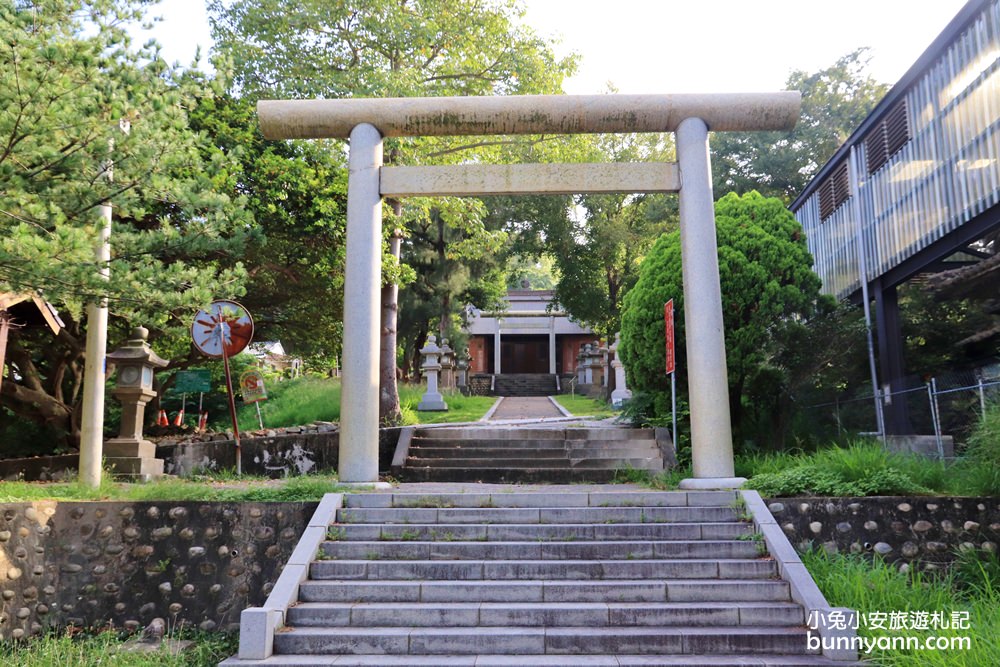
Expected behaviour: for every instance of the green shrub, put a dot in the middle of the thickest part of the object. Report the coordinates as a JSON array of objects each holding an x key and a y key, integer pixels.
[{"x": 767, "y": 284}]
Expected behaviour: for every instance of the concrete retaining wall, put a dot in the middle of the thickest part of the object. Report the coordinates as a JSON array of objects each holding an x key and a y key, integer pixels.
[{"x": 281, "y": 453}]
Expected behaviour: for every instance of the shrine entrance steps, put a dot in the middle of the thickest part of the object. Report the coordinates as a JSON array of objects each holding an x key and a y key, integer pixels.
[
  {"x": 523, "y": 454},
  {"x": 610, "y": 578}
]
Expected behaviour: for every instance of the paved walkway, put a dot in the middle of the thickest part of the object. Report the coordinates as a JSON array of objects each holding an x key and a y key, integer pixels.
[{"x": 533, "y": 407}]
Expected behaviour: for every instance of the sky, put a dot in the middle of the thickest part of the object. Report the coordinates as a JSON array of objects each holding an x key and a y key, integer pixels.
[{"x": 685, "y": 46}]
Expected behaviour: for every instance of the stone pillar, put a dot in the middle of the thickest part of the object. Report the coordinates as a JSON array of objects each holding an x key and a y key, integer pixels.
[
  {"x": 447, "y": 365},
  {"x": 432, "y": 401},
  {"x": 621, "y": 392},
  {"x": 708, "y": 388},
  {"x": 581, "y": 362},
  {"x": 604, "y": 365},
  {"x": 462, "y": 370},
  {"x": 588, "y": 364},
  {"x": 362, "y": 288},
  {"x": 552, "y": 345},
  {"x": 496, "y": 349}
]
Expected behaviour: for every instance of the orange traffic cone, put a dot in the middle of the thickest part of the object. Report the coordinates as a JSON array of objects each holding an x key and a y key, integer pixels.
[
  {"x": 202, "y": 421},
  {"x": 161, "y": 419},
  {"x": 179, "y": 419}
]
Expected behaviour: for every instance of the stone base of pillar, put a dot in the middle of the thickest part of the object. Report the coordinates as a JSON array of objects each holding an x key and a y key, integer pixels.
[
  {"x": 619, "y": 396},
  {"x": 127, "y": 447},
  {"x": 432, "y": 402},
  {"x": 711, "y": 483},
  {"x": 135, "y": 468}
]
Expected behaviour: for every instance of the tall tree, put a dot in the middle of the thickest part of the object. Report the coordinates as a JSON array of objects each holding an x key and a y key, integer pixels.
[
  {"x": 599, "y": 247},
  {"x": 388, "y": 48},
  {"x": 835, "y": 101},
  {"x": 68, "y": 78}
]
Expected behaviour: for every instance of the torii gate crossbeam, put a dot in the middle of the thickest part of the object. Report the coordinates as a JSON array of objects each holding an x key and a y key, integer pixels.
[{"x": 690, "y": 117}]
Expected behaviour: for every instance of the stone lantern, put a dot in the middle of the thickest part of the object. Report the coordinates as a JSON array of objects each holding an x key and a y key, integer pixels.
[
  {"x": 581, "y": 364},
  {"x": 447, "y": 365},
  {"x": 130, "y": 454},
  {"x": 432, "y": 399}
]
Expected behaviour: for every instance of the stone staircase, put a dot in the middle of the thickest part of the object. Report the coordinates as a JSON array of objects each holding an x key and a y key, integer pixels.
[
  {"x": 542, "y": 579},
  {"x": 527, "y": 454},
  {"x": 525, "y": 384}
]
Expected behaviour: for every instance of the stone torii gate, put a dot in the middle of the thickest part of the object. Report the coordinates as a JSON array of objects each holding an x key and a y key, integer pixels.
[{"x": 690, "y": 117}]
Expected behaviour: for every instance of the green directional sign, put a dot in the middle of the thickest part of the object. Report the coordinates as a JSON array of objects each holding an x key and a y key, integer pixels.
[{"x": 193, "y": 382}]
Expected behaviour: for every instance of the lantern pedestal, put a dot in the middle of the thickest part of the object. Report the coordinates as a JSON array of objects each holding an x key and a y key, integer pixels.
[{"x": 130, "y": 455}]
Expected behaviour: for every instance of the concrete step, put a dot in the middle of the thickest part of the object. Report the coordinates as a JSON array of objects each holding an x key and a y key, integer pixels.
[
  {"x": 540, "y": 640},
  {"x": 481, "y": 433},
  {"x": 654, "y": 464},
  {"x": 537, "y": 460},
  {"x": 556, "y": 441},
  {"x": 546, "y": 499},
  {"x": 520, "y": 515},
  {"x": 560, "y": 475},
  {"x": 677, "y": 660},
  {"x": 547, "y": 570},
  {"x": 521, "y": 550},
  {"x": 549, "y": 614},
  {"x": 618, "y": 590},
  {"x": 535, "y": 531},
  {"x": 506, "y": 433}
]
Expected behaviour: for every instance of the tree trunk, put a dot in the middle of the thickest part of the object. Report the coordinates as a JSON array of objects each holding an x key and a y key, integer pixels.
[{"x": 388, "y": 395}]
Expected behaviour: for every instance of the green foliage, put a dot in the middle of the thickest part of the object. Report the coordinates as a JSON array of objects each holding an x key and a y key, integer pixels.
[
  {"x": 768, "y": 289},
  {"x": 875, "y": 586},
  {"x": 599, "y": 252},
  {"x": 835, "y": 101},
  {"x": 104, "y": 648},
  {"x": 291, "y": 403},
  {"x": 69, "y": 81},
  {"x": 864, "y": 468}
]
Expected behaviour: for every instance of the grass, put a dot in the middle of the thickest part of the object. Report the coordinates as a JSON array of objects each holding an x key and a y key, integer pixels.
[
  {"x": 290, "y": 403},
  {"x": 668, "y": 480},
  {"x": 874, "y": 586},
  {"x": 103, "y": 649},
  {"x": 307, "y": 400},
  {"x": 308, "y": 488},
  {"x": 582, "y": 406},
  {"x": 461, "y": 408},
  {"x": 865, "y": 468}
]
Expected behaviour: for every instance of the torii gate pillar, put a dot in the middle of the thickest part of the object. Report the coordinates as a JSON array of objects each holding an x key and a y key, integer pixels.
[{"x": 362, "y": 287}]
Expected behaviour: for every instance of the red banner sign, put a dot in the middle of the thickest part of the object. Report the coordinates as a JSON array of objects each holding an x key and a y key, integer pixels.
[{"x": 668, "y": 327}]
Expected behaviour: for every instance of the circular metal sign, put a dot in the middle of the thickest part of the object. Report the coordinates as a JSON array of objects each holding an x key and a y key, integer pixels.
[{"x": 223, "y": 326}]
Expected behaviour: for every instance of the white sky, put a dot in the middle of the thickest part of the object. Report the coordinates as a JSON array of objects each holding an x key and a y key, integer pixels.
[{"x": 678, "y": 46}]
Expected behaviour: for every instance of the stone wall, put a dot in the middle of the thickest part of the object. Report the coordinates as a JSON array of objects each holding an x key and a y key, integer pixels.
[
  {"x": 929, "y": 530},
  {"x": 91, "y": 563}
]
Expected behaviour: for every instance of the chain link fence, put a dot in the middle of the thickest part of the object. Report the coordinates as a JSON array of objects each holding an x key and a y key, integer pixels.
[{"x": 943, "y": 404}]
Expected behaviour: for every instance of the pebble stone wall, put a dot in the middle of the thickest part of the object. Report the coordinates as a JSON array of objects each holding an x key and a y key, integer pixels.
[
  {"x": 925, "y": 532},
  {"x": 90, "y": 563}
]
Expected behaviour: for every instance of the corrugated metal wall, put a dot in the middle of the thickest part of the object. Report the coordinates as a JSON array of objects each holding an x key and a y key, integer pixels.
[{"x": 947, "y": 173}]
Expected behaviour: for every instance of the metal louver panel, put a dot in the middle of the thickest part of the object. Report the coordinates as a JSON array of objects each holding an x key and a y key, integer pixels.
[
  {"x": 826, "y": 205},
  {"x": 875, "y": 149},
  {"x": 897, "y": 128}
]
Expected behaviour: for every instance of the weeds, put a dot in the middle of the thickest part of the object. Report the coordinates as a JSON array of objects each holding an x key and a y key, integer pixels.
[
  {"x": 875, "y": 586},
  {"x": 104, "y": 648}
]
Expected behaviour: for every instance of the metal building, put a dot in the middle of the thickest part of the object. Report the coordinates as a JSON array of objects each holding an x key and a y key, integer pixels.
[{"x": 918, "y": 181}]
